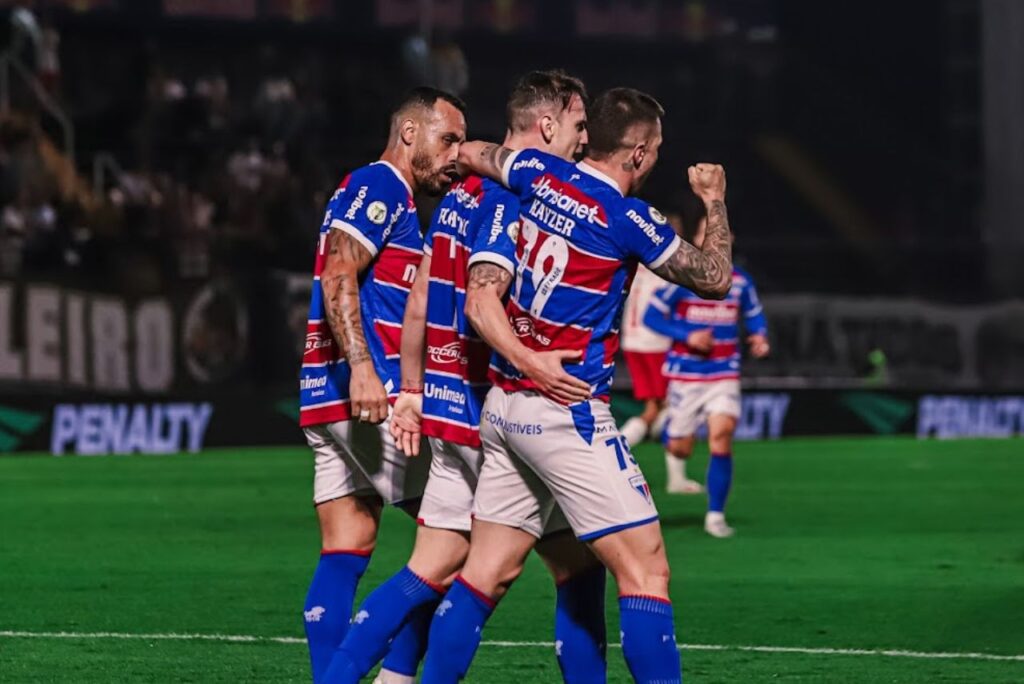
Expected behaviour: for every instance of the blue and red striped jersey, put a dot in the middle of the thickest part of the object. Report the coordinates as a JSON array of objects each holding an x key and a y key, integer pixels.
[
  {"x": 476, "y": 216},
  {"x": 677, "y": 312},
  {"x": 577, "y": 249},
  {"x": 374, "y": 205}
]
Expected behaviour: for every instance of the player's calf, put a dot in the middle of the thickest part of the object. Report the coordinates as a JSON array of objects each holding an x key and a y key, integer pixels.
[
  {"x": 580, "y": 631},
  {"x": 720, "y": 466},
  {"x": 496, "y": 557},
  {"x": 677, "y": 451},
  {"x": 636, "y": 557},
  {"x": 391, "y": 613}
]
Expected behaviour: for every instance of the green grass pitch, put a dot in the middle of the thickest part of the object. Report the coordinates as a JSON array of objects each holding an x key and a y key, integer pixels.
[{"x": 841, "y": 544}]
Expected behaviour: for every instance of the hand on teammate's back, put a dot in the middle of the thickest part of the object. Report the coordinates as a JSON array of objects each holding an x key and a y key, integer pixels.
[
  {"x": 367, "y": 393},
  {"x": 701, "y": 341},
  {"x": 406, "y": 419},
  {"x": 759, "y": 347},
  {"x": 707, "y": 181},
  {"x": 545, "y": 369}
]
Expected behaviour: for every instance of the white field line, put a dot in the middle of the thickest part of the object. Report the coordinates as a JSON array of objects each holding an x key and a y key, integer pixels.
[{"x": 246, "y": 638}]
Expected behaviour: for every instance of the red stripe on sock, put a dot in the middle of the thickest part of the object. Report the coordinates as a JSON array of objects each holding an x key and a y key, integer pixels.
[
  {"x": 351, "y": 552},
  {"x": 491, "y": 603},
  {"x": 436, "y": 587},
  {"x": 647, "y": 596}
]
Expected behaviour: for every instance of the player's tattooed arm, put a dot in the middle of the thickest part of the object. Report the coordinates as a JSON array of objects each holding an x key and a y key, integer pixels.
[
  {"x": 487, "y": 286},
  {"x": 485, "y": 159},
  {"x": 706, "y": 271},
  {"x": 346, "y": 260},
  {"x": 339, "y": 280}
]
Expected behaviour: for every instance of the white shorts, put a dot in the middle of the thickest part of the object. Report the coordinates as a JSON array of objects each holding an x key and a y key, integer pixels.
[
  {"x": 538, "y": 453},
  {"x": 451, "y": 489},
  {"x": 690, "y": 404},
  {"x": 358, "y": 458}
]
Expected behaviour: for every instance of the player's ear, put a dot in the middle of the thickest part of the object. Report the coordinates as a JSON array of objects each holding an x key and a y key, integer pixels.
[
  {"x": 407, "y": 131},
  {"x": 548, "y": 128},
  {"x": 639, "y": 153}
]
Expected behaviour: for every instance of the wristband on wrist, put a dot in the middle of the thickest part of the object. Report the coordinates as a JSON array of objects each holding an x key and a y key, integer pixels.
[{"x": 412, "y": 390}]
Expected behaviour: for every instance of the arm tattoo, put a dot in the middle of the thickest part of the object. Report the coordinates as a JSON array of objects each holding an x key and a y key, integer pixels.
[
  {"x": 707, "y": 271},
  {"x": 492, "y": 160},
  {"x": 340, "y": 283},
  {"x": 485, "y": 275}
]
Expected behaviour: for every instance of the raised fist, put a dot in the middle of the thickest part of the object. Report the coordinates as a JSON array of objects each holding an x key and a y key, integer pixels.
[{"x": 707, "y": 181}]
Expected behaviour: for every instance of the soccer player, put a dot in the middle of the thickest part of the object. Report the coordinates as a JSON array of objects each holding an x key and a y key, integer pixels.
[
  {"x": 580, "y": 239},
  {"x": 475, "y": 223},
  {"x": 644, "y": 351},
  {"x": 366, "y": 260},
  {"x": 703, "y": 368}
]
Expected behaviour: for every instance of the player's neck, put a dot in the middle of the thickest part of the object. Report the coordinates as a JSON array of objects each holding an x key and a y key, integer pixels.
[
  {"x": 623, "y": 179},
  {"x": 401, "y": 162},
  {"x": 524, "y": 141}
]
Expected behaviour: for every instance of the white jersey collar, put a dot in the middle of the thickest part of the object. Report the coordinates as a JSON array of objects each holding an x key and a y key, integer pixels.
[{"x": 591, "y": 171}]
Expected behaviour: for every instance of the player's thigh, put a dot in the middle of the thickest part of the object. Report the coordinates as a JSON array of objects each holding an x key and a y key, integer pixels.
[
  {"x": 636, "y": 557},
  {"x": 451, "y": 486},
  {"x": 508, "y": 492},
  {"x": 396, "y": 478},
  {"x": 579, "y": 455},
  {"x": 439, "y": 554},
  {"x": 685, "y": 405}
]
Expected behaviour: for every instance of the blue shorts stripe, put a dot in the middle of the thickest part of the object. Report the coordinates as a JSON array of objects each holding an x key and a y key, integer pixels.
[{"x": 589, "y": 536}]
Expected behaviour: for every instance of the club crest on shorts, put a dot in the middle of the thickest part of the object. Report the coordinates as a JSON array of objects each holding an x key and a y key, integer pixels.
[{"x": 639, "y": 483}]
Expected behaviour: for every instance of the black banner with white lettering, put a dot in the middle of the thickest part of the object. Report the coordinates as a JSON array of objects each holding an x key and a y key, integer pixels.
[
  {"x": 188, "y": 423},
  {"x": 57, "y": 338}
]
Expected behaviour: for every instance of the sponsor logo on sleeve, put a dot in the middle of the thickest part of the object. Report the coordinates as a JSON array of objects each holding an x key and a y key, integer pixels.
[
  {"x": 532, "y": 163},
  {"x": 646, "y": 226},
  {"x": 377, "y": 212},
  {"x": 357, "y": 203},
  {"x": 658, "y": 217}
]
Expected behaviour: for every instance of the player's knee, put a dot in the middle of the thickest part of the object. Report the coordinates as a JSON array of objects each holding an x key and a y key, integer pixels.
[
  {"x": 681, "y": 447},
  {"x": 720, "y": 441},
  {"x": 493, "y": 576},
  {"x": 349, "y": 523}
]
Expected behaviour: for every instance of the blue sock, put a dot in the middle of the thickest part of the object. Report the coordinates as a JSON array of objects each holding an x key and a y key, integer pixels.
[
  {"x": 649, "y": 640},
  {"x": 455, "y": 633},
  {"x": 719, "y": 481},
  {"x": 409, "y": 647},
  {"x": 580, "y": 632},
  {"x": 382, "y": 615},
  {"x": 329, "y": 604}
]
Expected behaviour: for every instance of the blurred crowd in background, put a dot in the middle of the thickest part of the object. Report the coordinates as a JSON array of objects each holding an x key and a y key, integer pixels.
[{"x": 205, "y": 146}]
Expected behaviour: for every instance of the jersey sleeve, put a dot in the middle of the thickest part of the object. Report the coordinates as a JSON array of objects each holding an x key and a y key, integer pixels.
[
  {"x": 497, "y": 232},
  {"x": 367, "y": 208},
  {"x": 644, "y": 233},
  {"x": 523, "y": 167},
  {"x": 661, "y": 314},
  {"x": 753, "y": 313}
]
